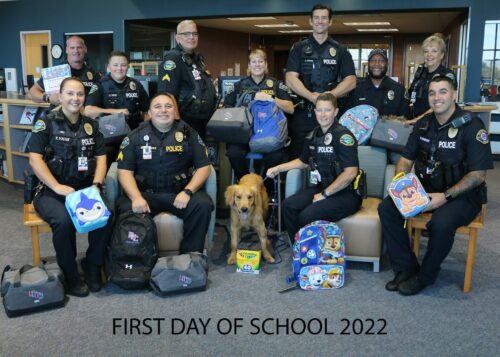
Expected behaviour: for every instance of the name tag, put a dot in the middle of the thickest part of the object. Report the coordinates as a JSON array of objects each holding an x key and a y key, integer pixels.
[{"x": 83, "y": 164}]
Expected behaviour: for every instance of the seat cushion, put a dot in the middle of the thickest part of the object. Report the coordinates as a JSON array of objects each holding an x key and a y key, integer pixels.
[
  {"x": 170, "y": 230},
  {"x": 363, "y": 230}
]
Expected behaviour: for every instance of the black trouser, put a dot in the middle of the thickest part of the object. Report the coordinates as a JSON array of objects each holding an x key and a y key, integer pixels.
[
  {"x": 441, "y": 229},
  {"x": 301, "y": 124},
  {"x": 50, "y": 206},
  {"x": 299, "y": 209},
  {"x": 237, "y": 152},
  {"x": 196, "y": 216},
  {"x": 112, "y": 150}
]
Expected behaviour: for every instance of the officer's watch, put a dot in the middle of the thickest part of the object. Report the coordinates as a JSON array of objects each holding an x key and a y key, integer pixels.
[
  {"x": 98, "y": 185},
  {"x": 188, "y": 192},
  {"x": 447, "y": 196},
  {"x": 324, "y": 194}
]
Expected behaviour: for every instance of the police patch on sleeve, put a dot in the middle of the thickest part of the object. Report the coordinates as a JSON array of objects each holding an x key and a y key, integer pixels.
[
  {"x": 482, "y": 136},
  {"x": 124, "y": 143},
  {"x": 166, "y": 77},
  {"x": 39, "y": 126},
  {"x": 169, "y": 65},
  {"x": 93, "y": 89},
  {"x": 347, "y": 140},
  {"x": 200, "y": 141}
]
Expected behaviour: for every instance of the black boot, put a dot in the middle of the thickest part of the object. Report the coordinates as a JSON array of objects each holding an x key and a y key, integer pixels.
[
  {"x": 399, "y": 278},
  {"x": 77, "y": 287},
  {"x": 93, "y": 275}
]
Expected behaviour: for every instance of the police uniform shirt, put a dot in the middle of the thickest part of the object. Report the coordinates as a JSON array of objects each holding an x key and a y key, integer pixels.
[
  {"x": 390, "y": 97},
  {"x": 268, "y": 85},
  {"x": 419, "y": 89},
  {"x": 109, "y": 94},
  {"x": 337, "y": 143},
  {"x": 87, "y": 75},
  {"x": 469, "y": 143},
  {"x": 130, "y": 149},
  {"x": 342, "y": 59}
]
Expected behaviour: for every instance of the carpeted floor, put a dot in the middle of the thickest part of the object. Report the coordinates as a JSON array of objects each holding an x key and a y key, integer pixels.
[{"x": 245, "y": 314}]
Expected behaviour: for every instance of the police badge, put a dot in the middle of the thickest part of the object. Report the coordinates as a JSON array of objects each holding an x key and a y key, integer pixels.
[
  {"x": 328, "y": 139},
  {"x": 90, "y": 76},
  {"x": 390, "y": 95},
  {"x": 179, "y": 136},
  {"x": 269, "y": 83},
  {"x": 132, "y": 85},
  {"x": 333, "y": 52},
  {"x": 452, "y": 132},
  {"x": 88, "y": 128}
]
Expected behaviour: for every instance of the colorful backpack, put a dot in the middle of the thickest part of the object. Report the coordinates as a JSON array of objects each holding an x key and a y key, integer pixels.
[
  {"x": 87, "y": 209},
  {"x": 270, "y": 130},
  {"x": 360, "y": 120},
  {"x": 319, "y": 256},
  {"x": 408, "y": 194}
]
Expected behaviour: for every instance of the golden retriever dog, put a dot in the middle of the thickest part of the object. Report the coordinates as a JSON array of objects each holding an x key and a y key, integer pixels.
[{"x": 248, "y": 201}]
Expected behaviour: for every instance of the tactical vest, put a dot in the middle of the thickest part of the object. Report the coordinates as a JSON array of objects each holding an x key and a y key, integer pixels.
[
  {"x": 171, "y": 160},
  {"x": 87, "y": 75},
  {"x": 123, "y": 95},
  {"x": 267, "y": 85},
  {"x": 66, "y": 147},
  {"x": 198, "y": 100},
  {"x": 323, "y": 154},
  {"x": 320, "y": 71}
]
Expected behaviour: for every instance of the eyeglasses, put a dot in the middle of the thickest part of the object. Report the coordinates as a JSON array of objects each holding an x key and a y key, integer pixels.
[{"x": 189, "y": 34}]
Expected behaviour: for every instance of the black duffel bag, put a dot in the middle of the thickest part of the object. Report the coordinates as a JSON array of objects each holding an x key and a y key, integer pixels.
[{"x": 391, "y": 134}]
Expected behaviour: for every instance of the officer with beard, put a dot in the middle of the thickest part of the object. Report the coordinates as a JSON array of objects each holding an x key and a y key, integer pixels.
[{"x": 378, "y": 90}]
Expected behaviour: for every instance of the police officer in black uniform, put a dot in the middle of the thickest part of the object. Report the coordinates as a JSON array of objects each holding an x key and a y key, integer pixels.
[
  {"x": 331, "y": 153},
  {"x": 259, "y": 86},
  {"x": 75, "y": 53},
  {"x": 185, "y": 75},
  {"x": 67, "y": 154},
  {"x": 434, "y": 51},
  {"x": 451, "y": 152},
  {"x": 155, "y": 170},
  {"x": 117, "y": 93},
  {"x": 317, "y": 64},
  {"x": 378, "y": 90}
]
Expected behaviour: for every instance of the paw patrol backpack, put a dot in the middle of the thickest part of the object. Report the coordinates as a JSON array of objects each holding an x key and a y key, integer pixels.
[{"x": 319, "y": 256}]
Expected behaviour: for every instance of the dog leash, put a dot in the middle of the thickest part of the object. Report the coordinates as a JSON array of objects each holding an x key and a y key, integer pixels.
[{"x": 280, "y": 244}]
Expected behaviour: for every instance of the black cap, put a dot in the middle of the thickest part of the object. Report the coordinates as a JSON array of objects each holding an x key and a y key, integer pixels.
[{"x": 377, "y": 51}]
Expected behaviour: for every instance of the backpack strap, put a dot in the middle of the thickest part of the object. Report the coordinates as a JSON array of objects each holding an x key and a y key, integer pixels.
[{"x": 239, "y": 98}]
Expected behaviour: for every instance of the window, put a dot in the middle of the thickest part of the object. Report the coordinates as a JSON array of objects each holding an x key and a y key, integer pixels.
[
  {"x": 360, "y": 52},
  {"x": 490, "y": 71}
]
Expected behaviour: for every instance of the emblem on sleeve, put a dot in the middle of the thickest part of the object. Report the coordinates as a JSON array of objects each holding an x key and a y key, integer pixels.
[
  {"x": 166, "y": 77},
  {"x": 93, "y": 89},
  {"x": 124, "y": 143},
  {"x": 39, "y": 126},
  {"x": 347, "y": 140},
  {"x": 169, "y": 65},
  {"x": 200, "y": 141},
  {"x": 482, "y": 136}
]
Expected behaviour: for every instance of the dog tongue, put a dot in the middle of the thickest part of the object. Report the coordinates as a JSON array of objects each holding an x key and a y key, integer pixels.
[{"x": 243, "y": 216}]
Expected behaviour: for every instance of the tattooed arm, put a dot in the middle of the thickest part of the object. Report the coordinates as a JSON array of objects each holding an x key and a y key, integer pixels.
[{"x": 470, "y": 181}]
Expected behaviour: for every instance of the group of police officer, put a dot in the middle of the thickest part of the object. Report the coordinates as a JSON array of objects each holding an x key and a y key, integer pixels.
[{"x": 157, "y": 159}]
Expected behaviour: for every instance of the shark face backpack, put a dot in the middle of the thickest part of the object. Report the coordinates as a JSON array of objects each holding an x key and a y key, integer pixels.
[{"x": 87, "y": 209}]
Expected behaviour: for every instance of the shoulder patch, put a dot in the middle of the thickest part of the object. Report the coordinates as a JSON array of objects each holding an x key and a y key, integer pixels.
[
  {"x": 347, "y": 140},
  {"x": 39, "y": 126},
  {"x": 93, "y": 89},
  {"x": 169, "y": 65},
  {"x": 124, "y": 143},
  {"x": 482, "y": 136},
  {"x": 283, "y": 86},
  {"x": 200, "y": 141}
]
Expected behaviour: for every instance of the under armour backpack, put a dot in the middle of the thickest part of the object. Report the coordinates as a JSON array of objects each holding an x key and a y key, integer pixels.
[
  {"x": 270, "y": 130},
  {"x": 319, "y": 256},
  {"x": 360, "y": 120},
  {"x": 133, "y": 251}
]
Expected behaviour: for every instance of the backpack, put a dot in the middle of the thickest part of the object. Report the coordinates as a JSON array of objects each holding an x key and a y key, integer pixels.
[
  {"x": 270, "y": 130},
  {"x": 32, "y": 289},
  {"x": 319, "y": 256},
  {"x": 133, "y": 251},
  {"x": 87, "y": 209},
  {"x": 360, "y": 120}
]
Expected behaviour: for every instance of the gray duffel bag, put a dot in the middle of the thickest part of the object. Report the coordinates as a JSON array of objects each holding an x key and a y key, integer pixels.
[
  {"x": 179, "y": 274},
  {"x": 32, "y": 289}
]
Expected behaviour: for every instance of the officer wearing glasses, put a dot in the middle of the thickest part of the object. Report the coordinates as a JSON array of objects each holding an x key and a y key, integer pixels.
[{"x": 184, "y": 74}]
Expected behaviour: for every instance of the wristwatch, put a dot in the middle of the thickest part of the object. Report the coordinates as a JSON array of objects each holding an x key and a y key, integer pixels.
[
  {"x": 188, "y": 192},
  {"x": 324, "y": 194},
  {"x": 447, "y": 196},
  {"x": 98, "y": 185}
]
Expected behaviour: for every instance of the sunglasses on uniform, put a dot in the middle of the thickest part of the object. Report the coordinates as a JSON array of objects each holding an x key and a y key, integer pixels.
[{"x": 189, "y": 34}]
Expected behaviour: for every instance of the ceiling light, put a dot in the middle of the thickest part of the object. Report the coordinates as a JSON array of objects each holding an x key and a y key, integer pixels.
[
  {"x": 277, "y": 25},
  {"x": 385, "y": 23},
  {"x": 295, "y": 31},
  {"x": 378, "y": 30},
  {"x": 251, "y": 18}
]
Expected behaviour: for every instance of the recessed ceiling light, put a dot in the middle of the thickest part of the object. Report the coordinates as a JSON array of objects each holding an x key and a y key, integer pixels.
[
  {"x": 251, "y": 18},
  {"x": 385, "y": 23},
  {"x": 295, "y": 31},
  {"x": 378, "y": 30},
  {"x": 277, "y": 25}
]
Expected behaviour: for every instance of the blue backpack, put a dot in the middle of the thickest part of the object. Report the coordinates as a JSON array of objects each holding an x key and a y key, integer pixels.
[
  {"x": 319, "y": 256},
  {"x": 360, "y": 120},
  {"x": 270, "y": 130}
]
